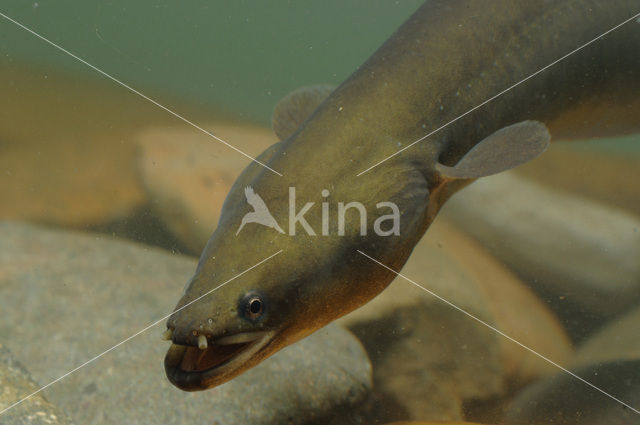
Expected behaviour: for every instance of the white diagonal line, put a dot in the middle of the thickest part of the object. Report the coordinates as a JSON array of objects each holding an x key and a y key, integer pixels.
[
  {"x": 500, "y": 333},
  {"x": 175, "y": 114},
  {"x": 134, "y": 335},
  {"x": 501, "y": 93}
]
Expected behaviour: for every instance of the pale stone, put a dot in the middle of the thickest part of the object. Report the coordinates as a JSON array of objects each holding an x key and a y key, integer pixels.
[
  {"x": 580, "y": 251},
  {"x": 66, "y": 297},
  {"x": 188, "y": 174}
]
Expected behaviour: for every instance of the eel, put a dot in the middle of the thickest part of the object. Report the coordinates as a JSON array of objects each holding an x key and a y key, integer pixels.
[{"x": 447, "y": 58}]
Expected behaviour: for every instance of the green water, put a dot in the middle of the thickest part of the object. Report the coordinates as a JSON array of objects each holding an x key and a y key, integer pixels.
[{"x": 241, "y": 56}]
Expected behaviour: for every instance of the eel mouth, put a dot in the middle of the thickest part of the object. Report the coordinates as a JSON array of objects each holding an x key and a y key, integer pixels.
[{"x": 193, "y": 369}]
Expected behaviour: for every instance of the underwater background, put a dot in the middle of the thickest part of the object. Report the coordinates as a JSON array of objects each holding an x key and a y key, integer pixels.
[{"x": 240, "y": 57}]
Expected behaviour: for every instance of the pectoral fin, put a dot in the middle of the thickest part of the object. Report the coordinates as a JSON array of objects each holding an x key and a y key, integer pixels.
[
  {"x": 505, "y": 149},
  {"x": 296, "y": 107}
]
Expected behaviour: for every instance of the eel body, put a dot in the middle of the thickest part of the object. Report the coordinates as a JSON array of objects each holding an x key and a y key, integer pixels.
[{"x": 447, "y": 58}]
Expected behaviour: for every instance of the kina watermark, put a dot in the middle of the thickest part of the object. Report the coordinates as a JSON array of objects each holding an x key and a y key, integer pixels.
[{"x": 387, "y": 224}]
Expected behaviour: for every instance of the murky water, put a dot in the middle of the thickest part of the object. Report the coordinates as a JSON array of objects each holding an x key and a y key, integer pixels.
[{"x": 108, "y": 200}]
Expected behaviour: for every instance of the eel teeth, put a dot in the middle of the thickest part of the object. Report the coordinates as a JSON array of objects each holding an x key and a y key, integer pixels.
[
  {"x": 202, "y": 342},
  {"x": 167, "y": 335}
]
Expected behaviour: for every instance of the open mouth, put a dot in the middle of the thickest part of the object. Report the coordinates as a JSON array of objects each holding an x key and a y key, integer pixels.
[{"x": 191, "y": 368}]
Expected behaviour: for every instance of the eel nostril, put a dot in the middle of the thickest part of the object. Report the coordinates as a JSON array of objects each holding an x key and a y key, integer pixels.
[{"x": 167, "y": 335}]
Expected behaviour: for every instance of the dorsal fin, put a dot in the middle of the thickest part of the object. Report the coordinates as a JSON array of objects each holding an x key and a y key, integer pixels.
[
  {"x": 505, "y": 149},
  {"x": 296, "y": 107}
]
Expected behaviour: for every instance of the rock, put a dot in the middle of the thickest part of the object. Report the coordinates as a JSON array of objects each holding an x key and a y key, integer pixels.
[
  {"x": 507, "y": 298},
  {"x": 433, "y": 423},
  {"x": 602, "y": 176},
  {"x": 577, "y": 251},
  {"x": 74, "y": 166},
  {"x": 15, "y": 384},
  {"x": 430, "y": 358},
  {"x": 619, "y": 339},
  {"x": 187, "y": 174},
  {"x": 564, "y": 400},
  {"x": 67, "y": 297}
]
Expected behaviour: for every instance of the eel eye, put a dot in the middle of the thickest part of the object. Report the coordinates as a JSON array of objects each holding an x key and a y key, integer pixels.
[{"x": 253, "y": 306}]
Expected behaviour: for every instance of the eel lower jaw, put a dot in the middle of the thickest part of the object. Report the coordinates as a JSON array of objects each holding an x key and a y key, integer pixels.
[{"x": 193, "y": 369}]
